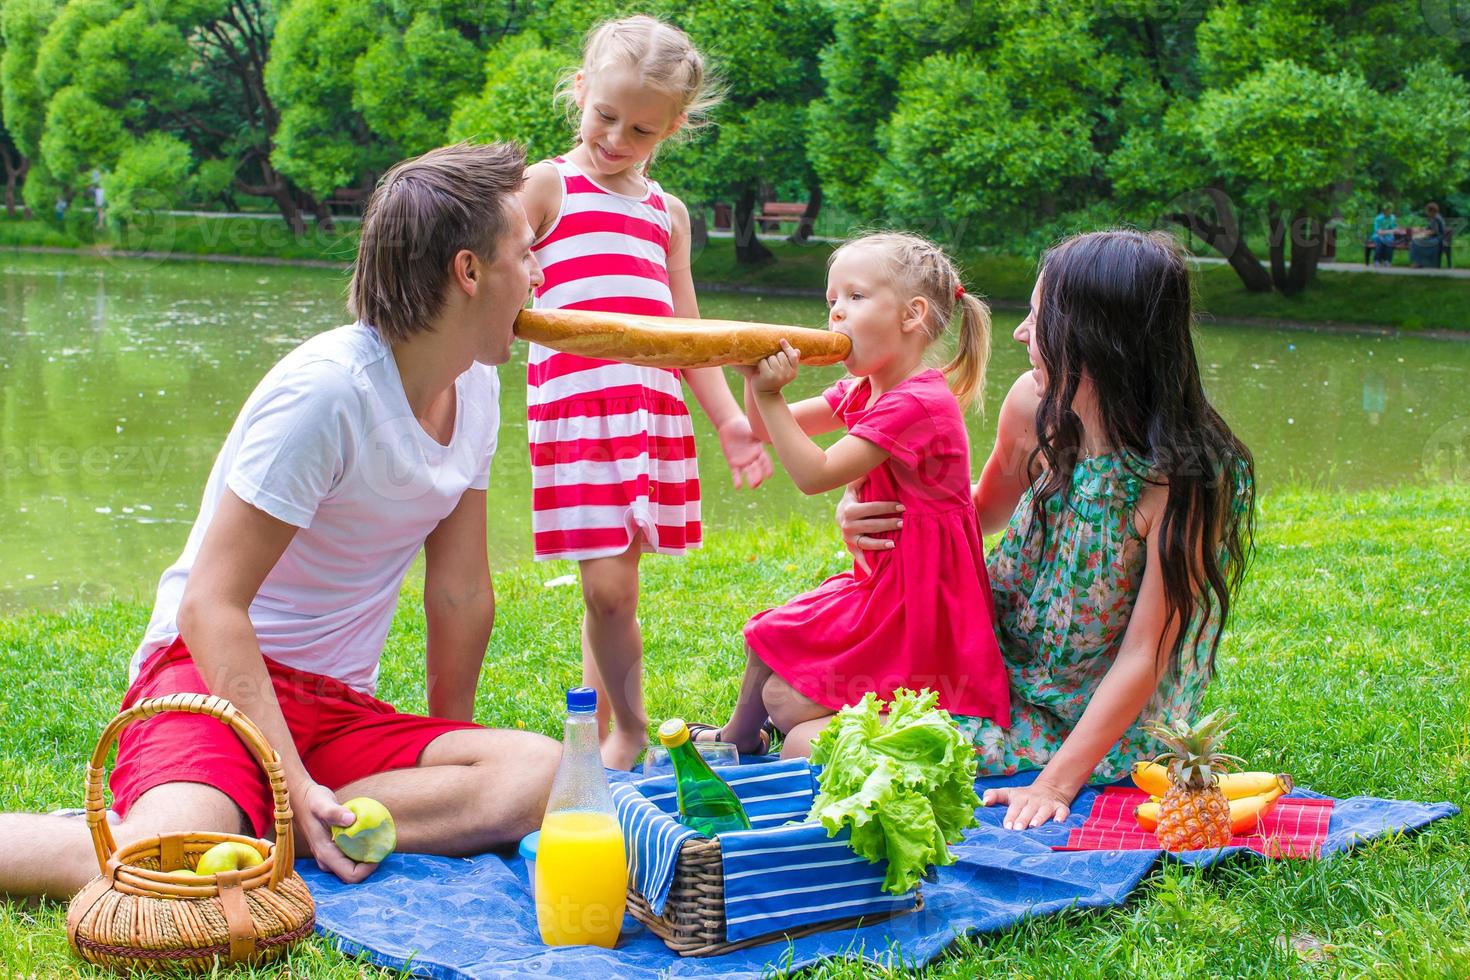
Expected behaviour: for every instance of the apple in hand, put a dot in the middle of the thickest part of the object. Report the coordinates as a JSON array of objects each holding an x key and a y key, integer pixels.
[
  {"x": 372, "y": 837},
  {"x": 228, "y": 856}
]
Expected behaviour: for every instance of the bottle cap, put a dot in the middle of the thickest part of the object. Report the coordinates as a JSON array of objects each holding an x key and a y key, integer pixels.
[
  {"x": 673, "y": 732},
  {"x": 582, "y": 700}
]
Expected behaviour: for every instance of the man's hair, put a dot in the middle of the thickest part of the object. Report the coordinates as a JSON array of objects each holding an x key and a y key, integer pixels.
[{"x": 424, "y": 211}]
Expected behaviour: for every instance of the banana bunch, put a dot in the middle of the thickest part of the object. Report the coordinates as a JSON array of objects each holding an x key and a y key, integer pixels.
[{"x": 1251, "y": 795}]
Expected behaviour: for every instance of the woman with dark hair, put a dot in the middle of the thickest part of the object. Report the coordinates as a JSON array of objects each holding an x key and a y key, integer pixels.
[
  {"x": 1127, "y": 506},
  {"x": 1427, "y": 243}
]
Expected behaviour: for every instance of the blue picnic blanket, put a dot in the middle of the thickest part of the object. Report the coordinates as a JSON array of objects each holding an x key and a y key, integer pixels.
[{"x": 472, "y": 918}]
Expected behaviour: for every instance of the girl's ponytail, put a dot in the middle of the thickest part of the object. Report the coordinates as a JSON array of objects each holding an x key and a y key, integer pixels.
[{"x": 966, "y": 373}]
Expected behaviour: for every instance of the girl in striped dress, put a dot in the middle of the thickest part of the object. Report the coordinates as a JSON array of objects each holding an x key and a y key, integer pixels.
[{"x": 613, "y": 471}]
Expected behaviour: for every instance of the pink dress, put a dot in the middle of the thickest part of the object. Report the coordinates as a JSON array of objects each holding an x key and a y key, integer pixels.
[
  {"x": 922, "y": 617},
  {"x": 612, "y": 445}
]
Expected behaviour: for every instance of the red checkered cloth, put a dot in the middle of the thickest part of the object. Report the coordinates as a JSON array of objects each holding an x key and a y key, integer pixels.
[{"x": 1296, "y": 827}]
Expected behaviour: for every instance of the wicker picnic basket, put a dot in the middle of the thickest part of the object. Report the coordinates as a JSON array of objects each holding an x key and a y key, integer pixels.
[
  {"x": 693, "y": 923},
  {"x": 135, "y": 915}
]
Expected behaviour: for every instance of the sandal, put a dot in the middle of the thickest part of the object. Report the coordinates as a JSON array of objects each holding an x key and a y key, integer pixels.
[{"x": 767, "y": 733}]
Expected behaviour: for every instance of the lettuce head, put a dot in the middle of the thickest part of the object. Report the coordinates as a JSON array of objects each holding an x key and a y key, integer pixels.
[{"x": 904, "y": 784}]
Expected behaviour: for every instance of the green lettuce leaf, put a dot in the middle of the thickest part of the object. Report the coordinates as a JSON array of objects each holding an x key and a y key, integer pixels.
[{"x": 904, "y": 783}]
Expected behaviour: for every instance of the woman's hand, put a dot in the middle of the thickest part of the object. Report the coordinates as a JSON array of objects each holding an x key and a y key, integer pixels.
[
  {"x": 1030, "y": 806},
  {"x": 860, "y": 521},
  {"x": 777, "y": 371},
  {"x": 750, "y": 464}
]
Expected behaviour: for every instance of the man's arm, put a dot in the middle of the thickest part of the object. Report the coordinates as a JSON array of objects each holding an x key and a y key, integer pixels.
[
  {"x": 459, "y": 605},
  {"x": 240, "y": 548}
]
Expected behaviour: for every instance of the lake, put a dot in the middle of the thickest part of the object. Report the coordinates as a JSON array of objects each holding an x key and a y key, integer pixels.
[{"x": 120, "y": 378}]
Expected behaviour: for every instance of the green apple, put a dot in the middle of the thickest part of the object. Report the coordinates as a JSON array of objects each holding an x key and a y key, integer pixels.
[
  {"x": 228, "y": 856},
  {"x": 372, "y": 837}
]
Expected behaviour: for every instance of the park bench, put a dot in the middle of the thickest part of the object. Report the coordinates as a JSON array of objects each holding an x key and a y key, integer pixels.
[
  {"x": 769, "y": 217},
  {"x": 1403, "y": 236}
]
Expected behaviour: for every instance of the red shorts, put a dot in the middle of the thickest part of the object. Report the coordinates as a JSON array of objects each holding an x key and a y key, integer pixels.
[{"x": 341, "y": 734}]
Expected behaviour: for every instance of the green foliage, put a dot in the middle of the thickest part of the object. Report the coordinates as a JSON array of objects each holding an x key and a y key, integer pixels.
[
  {"x": 23, "y": 25},
  {"x": 147, "y": 176},
  {"x": 80, "y": 134},
  {"x": 406, "y": 84},
  {"x": 321, "y": 142},
  {"x": 516, "y": 102}
]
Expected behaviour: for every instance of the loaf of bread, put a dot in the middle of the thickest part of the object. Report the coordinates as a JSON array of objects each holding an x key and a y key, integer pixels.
[{"x": 674, "y": 342}]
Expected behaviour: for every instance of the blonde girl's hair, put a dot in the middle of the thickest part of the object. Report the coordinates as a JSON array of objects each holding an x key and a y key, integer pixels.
[
  {"x": 662, "y": 55},
  {"x": 920, "y": 268}
]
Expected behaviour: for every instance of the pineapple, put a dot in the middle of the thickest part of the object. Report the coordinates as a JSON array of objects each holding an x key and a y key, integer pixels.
[{"x": 1194, "y": 813}]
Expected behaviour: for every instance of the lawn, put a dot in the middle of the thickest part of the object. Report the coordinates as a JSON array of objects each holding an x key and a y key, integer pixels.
[{"x": 1346, "y": 661}]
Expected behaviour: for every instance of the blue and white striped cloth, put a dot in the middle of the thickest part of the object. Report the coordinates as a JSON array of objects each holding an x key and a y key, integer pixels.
[{"x": 778, "y": 875}]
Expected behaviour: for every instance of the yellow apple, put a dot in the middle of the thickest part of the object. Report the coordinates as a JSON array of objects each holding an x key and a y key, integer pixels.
[
  {"x": 372, "y": 837},
  {"x": 228, "y": 856}
]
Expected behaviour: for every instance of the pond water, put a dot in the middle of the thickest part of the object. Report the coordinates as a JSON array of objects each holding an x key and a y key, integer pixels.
[{"x": 119, "y": 380}]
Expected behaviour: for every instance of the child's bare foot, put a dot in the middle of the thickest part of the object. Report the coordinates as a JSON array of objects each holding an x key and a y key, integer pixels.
[{"x": 622, "y": 748}]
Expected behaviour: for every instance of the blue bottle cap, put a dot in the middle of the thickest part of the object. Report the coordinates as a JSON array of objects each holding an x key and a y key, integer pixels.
[{"x": 582, "y": 699}]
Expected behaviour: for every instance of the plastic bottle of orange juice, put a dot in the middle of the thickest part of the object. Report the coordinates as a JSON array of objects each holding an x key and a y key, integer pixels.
[{"x": 581, "y": 868}]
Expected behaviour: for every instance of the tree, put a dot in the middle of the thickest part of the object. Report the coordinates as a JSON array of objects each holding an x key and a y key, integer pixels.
[
  {"x": 766, "y": 52},
  {"x": 23, "y": 25},
  {"x": 516, "y": 102},
  {"x": 157, "y": 100},
  {"x": 984, "y": 121},
  {"x": 362, "y": 83},
  {"x": 1280, "y": 125},
  {"x": 15, "y": 162}
]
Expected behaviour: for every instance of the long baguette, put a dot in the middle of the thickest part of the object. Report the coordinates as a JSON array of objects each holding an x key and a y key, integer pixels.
[{"x": 674, "y": 342}]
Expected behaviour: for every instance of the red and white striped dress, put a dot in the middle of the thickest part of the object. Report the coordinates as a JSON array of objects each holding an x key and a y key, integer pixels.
[{"x": 612, "y": 446}]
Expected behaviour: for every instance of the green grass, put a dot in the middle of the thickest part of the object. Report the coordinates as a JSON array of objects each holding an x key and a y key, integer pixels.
[
  {"x": 1345, "y": 662},
  {"x": 188, "y": 235}
]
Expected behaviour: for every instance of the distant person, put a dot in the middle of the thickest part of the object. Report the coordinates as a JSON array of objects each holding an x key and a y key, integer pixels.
[
  {"x": 1383, "y": 236},
  {"x": 60, "y": 209},
  {"x": 364, "y": 447},
  {"x": 99, "y": 199},
  {"x": 1428, "y": 242}
]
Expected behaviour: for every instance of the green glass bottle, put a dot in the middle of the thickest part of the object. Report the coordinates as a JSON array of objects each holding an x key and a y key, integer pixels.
[{"x": 706, "y": 802}]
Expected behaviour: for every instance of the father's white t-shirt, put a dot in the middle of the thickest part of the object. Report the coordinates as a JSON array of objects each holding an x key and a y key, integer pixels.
[{"x": 327, "y": 442}]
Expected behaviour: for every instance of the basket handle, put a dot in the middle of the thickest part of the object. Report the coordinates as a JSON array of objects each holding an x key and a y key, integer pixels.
[{"x": 194, "y": 704}]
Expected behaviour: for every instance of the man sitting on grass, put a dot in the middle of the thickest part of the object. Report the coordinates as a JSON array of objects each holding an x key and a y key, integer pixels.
[{"x": 358, "y": 448}]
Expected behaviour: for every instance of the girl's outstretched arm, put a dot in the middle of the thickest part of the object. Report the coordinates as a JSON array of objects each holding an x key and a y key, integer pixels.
[
  {"x": 812, "y": 469},
  {"x": 1115, "y": 705},
  {"x": 748, "y": 460}
]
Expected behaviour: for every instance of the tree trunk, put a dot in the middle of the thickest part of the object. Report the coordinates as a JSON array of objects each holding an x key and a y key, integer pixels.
[
  {"x": 319, "y": 210},
  {"x": 1224, "y": 236},
  {"x": 1278, "y": 231},
  {"x": 748, "y": 248},
  {"x": 803, "y": 232},
  {"x": 1306, "y": 251},
  {"x": 14, "y": 174}
]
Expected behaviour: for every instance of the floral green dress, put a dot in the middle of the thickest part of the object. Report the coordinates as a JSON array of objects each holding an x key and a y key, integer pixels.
[{"x": 1062, "y": 609}]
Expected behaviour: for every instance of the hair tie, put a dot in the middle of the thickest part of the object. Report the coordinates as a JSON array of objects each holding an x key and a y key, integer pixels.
[{"x": 959, "y": 291}]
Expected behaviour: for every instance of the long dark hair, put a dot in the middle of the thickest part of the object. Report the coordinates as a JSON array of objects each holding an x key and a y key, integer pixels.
[{"x": 1117, "y": 306}]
